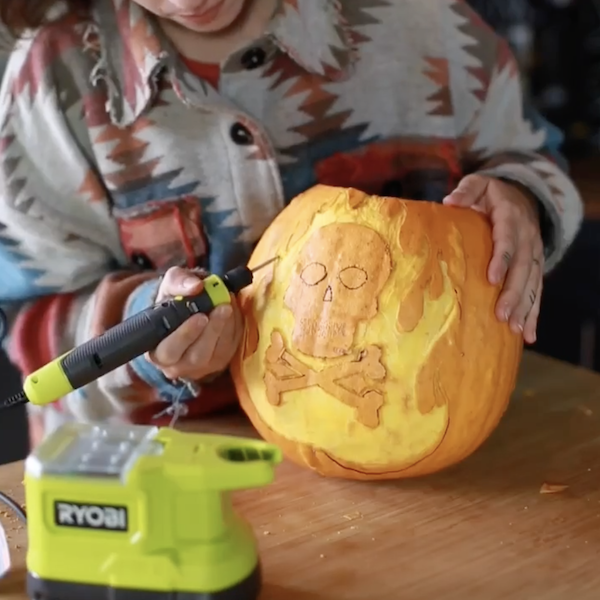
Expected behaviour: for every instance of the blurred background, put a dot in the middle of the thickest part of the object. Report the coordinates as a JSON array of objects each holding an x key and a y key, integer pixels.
[{"x": 557, "y": 44}]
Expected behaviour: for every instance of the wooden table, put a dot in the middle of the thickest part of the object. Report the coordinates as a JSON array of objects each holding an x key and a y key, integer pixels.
[{"x": 482, "y": 531}]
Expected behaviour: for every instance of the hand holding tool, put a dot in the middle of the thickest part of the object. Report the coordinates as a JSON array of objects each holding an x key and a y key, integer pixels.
[{"x": 133, "y": 337}]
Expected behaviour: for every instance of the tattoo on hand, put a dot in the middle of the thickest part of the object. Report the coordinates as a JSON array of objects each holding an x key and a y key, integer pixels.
[{"x": 532, "y": 297}]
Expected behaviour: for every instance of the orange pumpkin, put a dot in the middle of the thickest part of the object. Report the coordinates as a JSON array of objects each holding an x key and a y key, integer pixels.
[{"x": 371, "y": 349}]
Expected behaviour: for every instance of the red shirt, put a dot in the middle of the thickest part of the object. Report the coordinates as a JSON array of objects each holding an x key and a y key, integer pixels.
[{"x": 210, "y": 72}]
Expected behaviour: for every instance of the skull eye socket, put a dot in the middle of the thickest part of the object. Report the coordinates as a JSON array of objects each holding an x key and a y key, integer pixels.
[
  {"x": 353, "y": 277},
  {"x": 313, "y": 274}
]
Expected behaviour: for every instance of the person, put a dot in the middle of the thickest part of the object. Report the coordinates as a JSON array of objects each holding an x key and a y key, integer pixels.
[{"x": 145, "y": 139}]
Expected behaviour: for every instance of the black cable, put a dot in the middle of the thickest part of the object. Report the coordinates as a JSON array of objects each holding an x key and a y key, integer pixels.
[
  {"x": 13, "y": 400},
  {"x": 14, "y": 506},
  {"x": 16, "y": 399}
]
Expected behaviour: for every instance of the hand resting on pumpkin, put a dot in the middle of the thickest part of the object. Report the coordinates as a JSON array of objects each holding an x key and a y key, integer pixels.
[
  {"x": 518, "y": 247},
  {"x": 203, "y": 345}
]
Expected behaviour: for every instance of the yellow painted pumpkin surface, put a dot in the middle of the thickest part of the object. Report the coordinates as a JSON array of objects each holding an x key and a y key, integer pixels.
[{"x": 371, "y": 347}]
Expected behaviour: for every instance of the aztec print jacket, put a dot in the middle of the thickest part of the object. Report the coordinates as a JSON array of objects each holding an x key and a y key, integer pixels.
[{"x": 118, "y": 162}]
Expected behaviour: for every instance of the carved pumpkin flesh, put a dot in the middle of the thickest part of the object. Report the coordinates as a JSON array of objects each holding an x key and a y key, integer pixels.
[{"x": 371, "y": 348}]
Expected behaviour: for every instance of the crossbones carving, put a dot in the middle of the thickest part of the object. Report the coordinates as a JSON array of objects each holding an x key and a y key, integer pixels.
[{"x": 354, "y": 380}]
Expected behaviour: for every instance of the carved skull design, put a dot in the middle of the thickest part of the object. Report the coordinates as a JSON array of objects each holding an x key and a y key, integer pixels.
[{"x": 339, "y": 275}]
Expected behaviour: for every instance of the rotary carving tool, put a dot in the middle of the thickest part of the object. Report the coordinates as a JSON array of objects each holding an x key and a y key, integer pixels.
[{"x": 133, "y": 337}]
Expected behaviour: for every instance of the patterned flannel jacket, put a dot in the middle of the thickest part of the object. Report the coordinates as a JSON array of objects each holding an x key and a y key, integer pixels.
[{"x": 114, "y": 156}]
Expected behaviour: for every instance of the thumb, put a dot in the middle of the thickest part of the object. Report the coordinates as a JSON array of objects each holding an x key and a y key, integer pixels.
[
  {"x": 179, "y": 282},
  {"x": 468, "y": 192}
]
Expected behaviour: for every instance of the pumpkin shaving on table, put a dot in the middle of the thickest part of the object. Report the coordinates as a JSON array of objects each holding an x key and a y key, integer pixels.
[{"x": 553, "y": 488}]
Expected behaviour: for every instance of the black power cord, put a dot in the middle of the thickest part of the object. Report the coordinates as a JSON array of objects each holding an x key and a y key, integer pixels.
[
  {"x": 5, "y": 498},
  {"x": 14, "y": 506},
  {"x": 15, "y": 399}
]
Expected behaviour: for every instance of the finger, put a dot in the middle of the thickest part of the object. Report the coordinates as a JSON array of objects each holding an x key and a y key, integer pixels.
[
  {"x": 170, "y": 351},
  {"x": 229, "y": 340},
  {"x": 530, "y": 329},
  {"x": 528, "y": 299},
  {"x": 515, "y": 283},
  {"x": 178, "y": 281},
  {"x": 505, "y": 237},
  {"x": 468, "y": 192},
  {"x": 199, "y": 359}
]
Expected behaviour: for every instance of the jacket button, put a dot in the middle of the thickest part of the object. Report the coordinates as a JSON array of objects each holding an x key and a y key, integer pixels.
[
  {"x": 141, "y": 261},
  {"x": 241, "y": 135},
  {"x": 253, "y": 58}
]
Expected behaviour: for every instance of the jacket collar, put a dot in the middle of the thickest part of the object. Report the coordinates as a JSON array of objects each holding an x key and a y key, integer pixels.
[{"x": 134, "y": 51}]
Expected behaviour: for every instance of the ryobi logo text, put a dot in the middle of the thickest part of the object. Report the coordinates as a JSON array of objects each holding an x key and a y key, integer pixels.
[{"x": 90, "y": 516}]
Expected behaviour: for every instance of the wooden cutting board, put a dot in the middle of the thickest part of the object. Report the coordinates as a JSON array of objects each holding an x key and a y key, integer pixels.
[{"x": 482, "y": 531}]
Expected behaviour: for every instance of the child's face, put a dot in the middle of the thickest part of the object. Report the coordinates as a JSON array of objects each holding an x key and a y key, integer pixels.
[{"x": 203, "y": 16}]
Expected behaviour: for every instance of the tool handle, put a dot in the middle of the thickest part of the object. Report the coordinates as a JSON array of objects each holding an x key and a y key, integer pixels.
[
  {"x": 133, "y": 337},
  {"x": 127, "y": 341}
]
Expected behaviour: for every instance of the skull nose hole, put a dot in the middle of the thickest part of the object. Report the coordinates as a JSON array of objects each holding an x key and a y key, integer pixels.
[{"x": 328, "y": 296}]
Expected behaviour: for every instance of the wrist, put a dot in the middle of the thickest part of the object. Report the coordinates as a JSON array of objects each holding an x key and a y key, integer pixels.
[{"x": 533, "y": 200}]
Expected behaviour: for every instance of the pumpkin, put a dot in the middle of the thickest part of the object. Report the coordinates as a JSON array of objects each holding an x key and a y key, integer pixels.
[{"x": 371, "y": 348}]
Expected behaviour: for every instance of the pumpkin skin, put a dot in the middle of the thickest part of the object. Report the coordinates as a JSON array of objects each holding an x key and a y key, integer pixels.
[{"x": 371, "y": 348}]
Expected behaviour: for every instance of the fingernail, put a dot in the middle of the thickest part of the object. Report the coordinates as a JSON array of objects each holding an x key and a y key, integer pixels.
[
  {"x": 190, "y": 283},
  {"x": 223, "y": 312},
  {"x": 202, "y": 320},
  {"x": 507, "y": 314}
]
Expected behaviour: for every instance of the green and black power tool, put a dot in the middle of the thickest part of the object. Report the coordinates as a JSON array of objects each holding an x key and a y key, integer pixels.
[
  {"x": 124, "y": 512},
  {"x": 127, "y": 512},
  {"x": 133, "y": 337}
]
